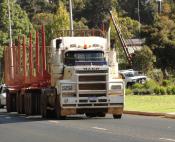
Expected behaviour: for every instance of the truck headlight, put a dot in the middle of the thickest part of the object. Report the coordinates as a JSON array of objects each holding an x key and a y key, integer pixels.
[
  {"x": 116, "y": 87},
  {"x": 67, "y": 87}
]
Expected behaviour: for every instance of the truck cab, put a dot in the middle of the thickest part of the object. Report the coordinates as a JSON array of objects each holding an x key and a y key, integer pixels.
[{"x": 85, "y": 73}]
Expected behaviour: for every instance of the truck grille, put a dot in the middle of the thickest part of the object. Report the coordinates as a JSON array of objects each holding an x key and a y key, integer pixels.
[
  {"x": 90, "y": 85},
  {"x": 99, "y": 86},
  {"x": 91, "y": 71},
  {"x": 92, "y": 78}
]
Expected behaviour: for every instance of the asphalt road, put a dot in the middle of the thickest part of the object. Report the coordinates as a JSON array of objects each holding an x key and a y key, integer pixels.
[{"x": 19, "y": 128}]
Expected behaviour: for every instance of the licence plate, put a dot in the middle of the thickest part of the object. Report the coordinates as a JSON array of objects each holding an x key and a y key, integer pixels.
[{"x": 92, "y": 98}]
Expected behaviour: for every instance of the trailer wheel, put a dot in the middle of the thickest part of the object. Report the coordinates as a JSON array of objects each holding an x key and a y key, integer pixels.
[
  {"x": 11, "y": 102},
  {"x": 8, "y": 103},
  {"x": 1, "y": 106},
  {"x": 118, "y": 116},
  {"x": 43, "y": 103}
]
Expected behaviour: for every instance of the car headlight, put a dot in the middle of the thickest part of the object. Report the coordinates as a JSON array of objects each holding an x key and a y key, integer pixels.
[{"x": 4, "y": 95}]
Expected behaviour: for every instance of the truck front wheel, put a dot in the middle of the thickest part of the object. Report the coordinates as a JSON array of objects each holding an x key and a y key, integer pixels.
[{"x": 118, "y": 116}]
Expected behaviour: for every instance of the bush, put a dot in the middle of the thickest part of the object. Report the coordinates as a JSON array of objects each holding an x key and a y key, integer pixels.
[
  {"x": 166, "y": 83},
  {"x": 151, "y": 84},
  {"x": 162, "y": 91},
  {"x": 156, "y": 75},
  {"x": 128, "y": 92},
  {"x": 136, "y": 91},
  {"x": 142, "y": 91},
  {"x": 157, "y": 90},
  {"x": 173, "y": 90},
  {"x": 149, "y": 91},
  {"x": 169, "y": 90},
  {"x": 137, "y": 86}
]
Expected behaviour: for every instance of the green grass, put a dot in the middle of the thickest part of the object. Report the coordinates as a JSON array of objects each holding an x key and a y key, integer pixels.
[{"x": 164, "y": 103}]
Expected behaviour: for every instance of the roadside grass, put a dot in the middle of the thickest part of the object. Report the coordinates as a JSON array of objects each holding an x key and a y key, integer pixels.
[{"x": 150, "y": 103}]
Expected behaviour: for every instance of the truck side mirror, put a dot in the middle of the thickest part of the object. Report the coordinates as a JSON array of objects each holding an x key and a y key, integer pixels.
[{"x": 58, "y": 43}]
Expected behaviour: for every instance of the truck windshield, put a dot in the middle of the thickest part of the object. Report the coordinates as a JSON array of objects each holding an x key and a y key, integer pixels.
[{"x": 84, "y": 57}]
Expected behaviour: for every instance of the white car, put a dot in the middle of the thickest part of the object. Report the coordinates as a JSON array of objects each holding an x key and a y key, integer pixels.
[
  {"x": 2, "y": 95},
  {"x": 131, "y": 77}
]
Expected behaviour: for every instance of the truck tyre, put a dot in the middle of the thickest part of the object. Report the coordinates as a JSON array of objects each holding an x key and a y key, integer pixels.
[
  {"x": 11, "y": 102},
  {"x": 101, "y": 114},
  {"x": 58, "y": 109},
  {"x": 90, "y": 115},
  {"x": 118, "y": 116},
  {"x": 43, "y": 103},
  {"x": 1, "y": 105}
]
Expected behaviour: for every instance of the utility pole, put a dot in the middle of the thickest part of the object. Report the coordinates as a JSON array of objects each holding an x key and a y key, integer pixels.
[
  {"x": 10, "y": 25},
  {"x": 159, "y": 6},
  {"x": 10, "y": 42},
  {"x": 138, "y": 13},
  {"x": 71, "y": 18}
]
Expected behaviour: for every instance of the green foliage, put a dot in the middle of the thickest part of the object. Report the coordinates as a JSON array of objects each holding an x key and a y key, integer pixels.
[
  {"x": 169, "y": 90},
  {"x": 166, "y": 83},
  {"x": 20, "y": 23},
  {"x": 143, "y": 60},
  {"x": 151, "y": 84},
  {"x": 46, "y": 19},
  {"x": 137, "y": 86},
  {"x": 156, "y": 74},
  {"x": 79, "y": 25},
  {"x": 142, "y": 91},
  {"x": 97, "y": 12},
  {"x": 128, "y": 91},
  {"x": 129, "y": 27},
  {"x": 162, "y": 91},
  {"x": 33, "y": 7},
  {"x": 60, "y": 20},
  {"x": 173, "y": 90},
  {"x": 157, "y": 90},
  {"x": 147, "y": 10},
  {"x": 53, "y": 22}
]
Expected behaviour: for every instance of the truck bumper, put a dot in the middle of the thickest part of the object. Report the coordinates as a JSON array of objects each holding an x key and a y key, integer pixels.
[{"x": 73, "y": 111}]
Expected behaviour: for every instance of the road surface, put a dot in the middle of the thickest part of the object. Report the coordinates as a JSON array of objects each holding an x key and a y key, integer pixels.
[{"x": 20, "y": 128}]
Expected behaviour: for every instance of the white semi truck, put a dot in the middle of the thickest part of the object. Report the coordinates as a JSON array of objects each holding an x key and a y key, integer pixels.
[
  {"x": 85, "y": 73},
  {"x": 77, "y": 75}
]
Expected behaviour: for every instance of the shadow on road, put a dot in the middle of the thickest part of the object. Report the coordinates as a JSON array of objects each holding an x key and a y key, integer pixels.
[{"x": 13, "y": 117}]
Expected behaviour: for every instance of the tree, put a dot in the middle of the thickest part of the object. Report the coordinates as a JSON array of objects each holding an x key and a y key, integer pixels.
[
  {"x": 33, "y": 7},
  {"x": 53, "y": 22},
  {"x": 46, "y": 19},
  {"x": 60, "y": 20},
  {"x": 97, "y": 12},
  {"x": 19, "y": 20},
  {"x": 143, "y": 60},
  {"x": 148, "y": 11},
  {"x": 128, "y": 26}
]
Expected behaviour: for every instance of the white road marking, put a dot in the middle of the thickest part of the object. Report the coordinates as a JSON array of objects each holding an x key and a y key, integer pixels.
[
  {"x": 98, "y": 128},
  {"x": 167, "y": 139},
  {"x": 52, "y": 121}
]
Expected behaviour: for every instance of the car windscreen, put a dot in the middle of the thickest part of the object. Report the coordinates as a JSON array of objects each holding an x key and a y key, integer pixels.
[
  {"x": 83, "y": 57},
  {"x": 129, "y": 74}
]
